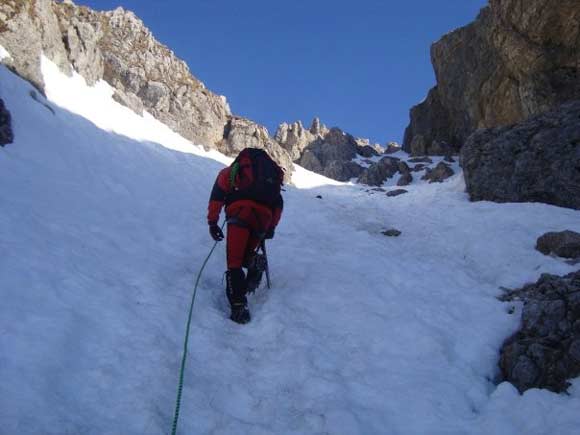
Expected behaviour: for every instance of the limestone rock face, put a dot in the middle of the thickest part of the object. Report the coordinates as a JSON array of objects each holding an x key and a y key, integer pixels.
[
  {"x": 342, "y": 171},
  {"x": 82, "y": 31},
  {"x": 326, "y": 151},
  {"x": 146, "y": 75},
  {"x": 27, "y": 29},
  {"x": 322, "y": 150},
  {"x": 377, "y": 173},
  {"x": 6, "y": 135},
  {"x": 430, "y": 125},
  {"x": 294, "y": 138},
  {"x": 240, "y": 133},
  {"x": 332, "y": 155},
  {"x": 117, "y": 47},
  {"x": 535, "y": 161},
  {"x": 364, "y": 149},
  {"x": 516, "y": 60}
]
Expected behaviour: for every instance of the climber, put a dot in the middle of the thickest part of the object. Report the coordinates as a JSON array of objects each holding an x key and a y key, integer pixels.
[{"x": 250, "y": 190}]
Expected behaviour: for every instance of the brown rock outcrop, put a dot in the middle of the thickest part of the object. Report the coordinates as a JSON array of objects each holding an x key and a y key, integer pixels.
[{"x": 517, "y": 59}]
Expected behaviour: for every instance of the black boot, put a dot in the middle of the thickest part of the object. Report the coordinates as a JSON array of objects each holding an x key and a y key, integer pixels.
[
  {"x": 236, "y": 293},
  {"x": 256, "y": 267},
  {"x": 240, "y": 314}
]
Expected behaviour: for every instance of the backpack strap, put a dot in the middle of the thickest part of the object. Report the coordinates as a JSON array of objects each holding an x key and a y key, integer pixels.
[{"x": 234, "y": 172}]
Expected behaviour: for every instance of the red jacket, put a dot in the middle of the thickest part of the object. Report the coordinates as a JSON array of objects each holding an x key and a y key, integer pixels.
[{"x": 219, "y": 197}]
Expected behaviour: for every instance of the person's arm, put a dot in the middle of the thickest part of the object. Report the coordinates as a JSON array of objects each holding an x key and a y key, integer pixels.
[
  {"x": 276, "y": 215},
  {"x": 217, "y": 200},
  {"x": 278, "y": 207}
]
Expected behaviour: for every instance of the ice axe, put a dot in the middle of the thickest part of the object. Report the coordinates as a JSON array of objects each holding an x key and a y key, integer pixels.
[{"x": 266, "y": 265}]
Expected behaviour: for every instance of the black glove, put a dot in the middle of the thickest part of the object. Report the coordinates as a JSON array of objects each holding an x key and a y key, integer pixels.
[
  {"x": 269, "y": 234},
  {"x": 216, "y": 232}
]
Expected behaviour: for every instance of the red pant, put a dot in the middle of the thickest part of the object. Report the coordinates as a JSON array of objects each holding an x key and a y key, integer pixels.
[{"x": 249, "y": 221}]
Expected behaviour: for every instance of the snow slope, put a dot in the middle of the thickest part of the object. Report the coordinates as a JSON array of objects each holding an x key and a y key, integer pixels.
[{"x": 102, "y": 229}]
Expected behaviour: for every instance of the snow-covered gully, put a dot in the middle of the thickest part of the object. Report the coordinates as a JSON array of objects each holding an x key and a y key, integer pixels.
[{"x": 103, "y": 229}]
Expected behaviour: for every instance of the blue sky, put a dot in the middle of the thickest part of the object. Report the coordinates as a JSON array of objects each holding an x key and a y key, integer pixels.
[{"x": 359, "y": 65}]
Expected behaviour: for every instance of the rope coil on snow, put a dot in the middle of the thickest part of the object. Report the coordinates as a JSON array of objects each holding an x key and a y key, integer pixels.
[{"x": 186, "y": 341}]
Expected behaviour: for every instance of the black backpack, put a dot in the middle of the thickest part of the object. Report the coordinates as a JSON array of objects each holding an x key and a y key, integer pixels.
[{"x": 255, "y": 176}]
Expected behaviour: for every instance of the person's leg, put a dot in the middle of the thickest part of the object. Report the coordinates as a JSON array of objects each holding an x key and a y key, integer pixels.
[
  {"x": 237, "y": 242},
  {"x": 237, "y": 239},
  {"x": 254, "y": 262},
  {"x": 251, "y": 247},
  {"x": 238, "y": 303}
]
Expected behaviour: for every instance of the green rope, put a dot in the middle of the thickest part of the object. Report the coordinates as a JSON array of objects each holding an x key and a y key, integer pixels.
[{"x": 185, "y": 343}]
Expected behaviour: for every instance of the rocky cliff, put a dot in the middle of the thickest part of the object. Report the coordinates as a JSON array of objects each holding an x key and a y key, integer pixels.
[
  {"x": 327, "y": 151},
  {"x": 117, "y": 47},
  {"x": 535, "y": 161},
  {"x": 519, "y": 58}
]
